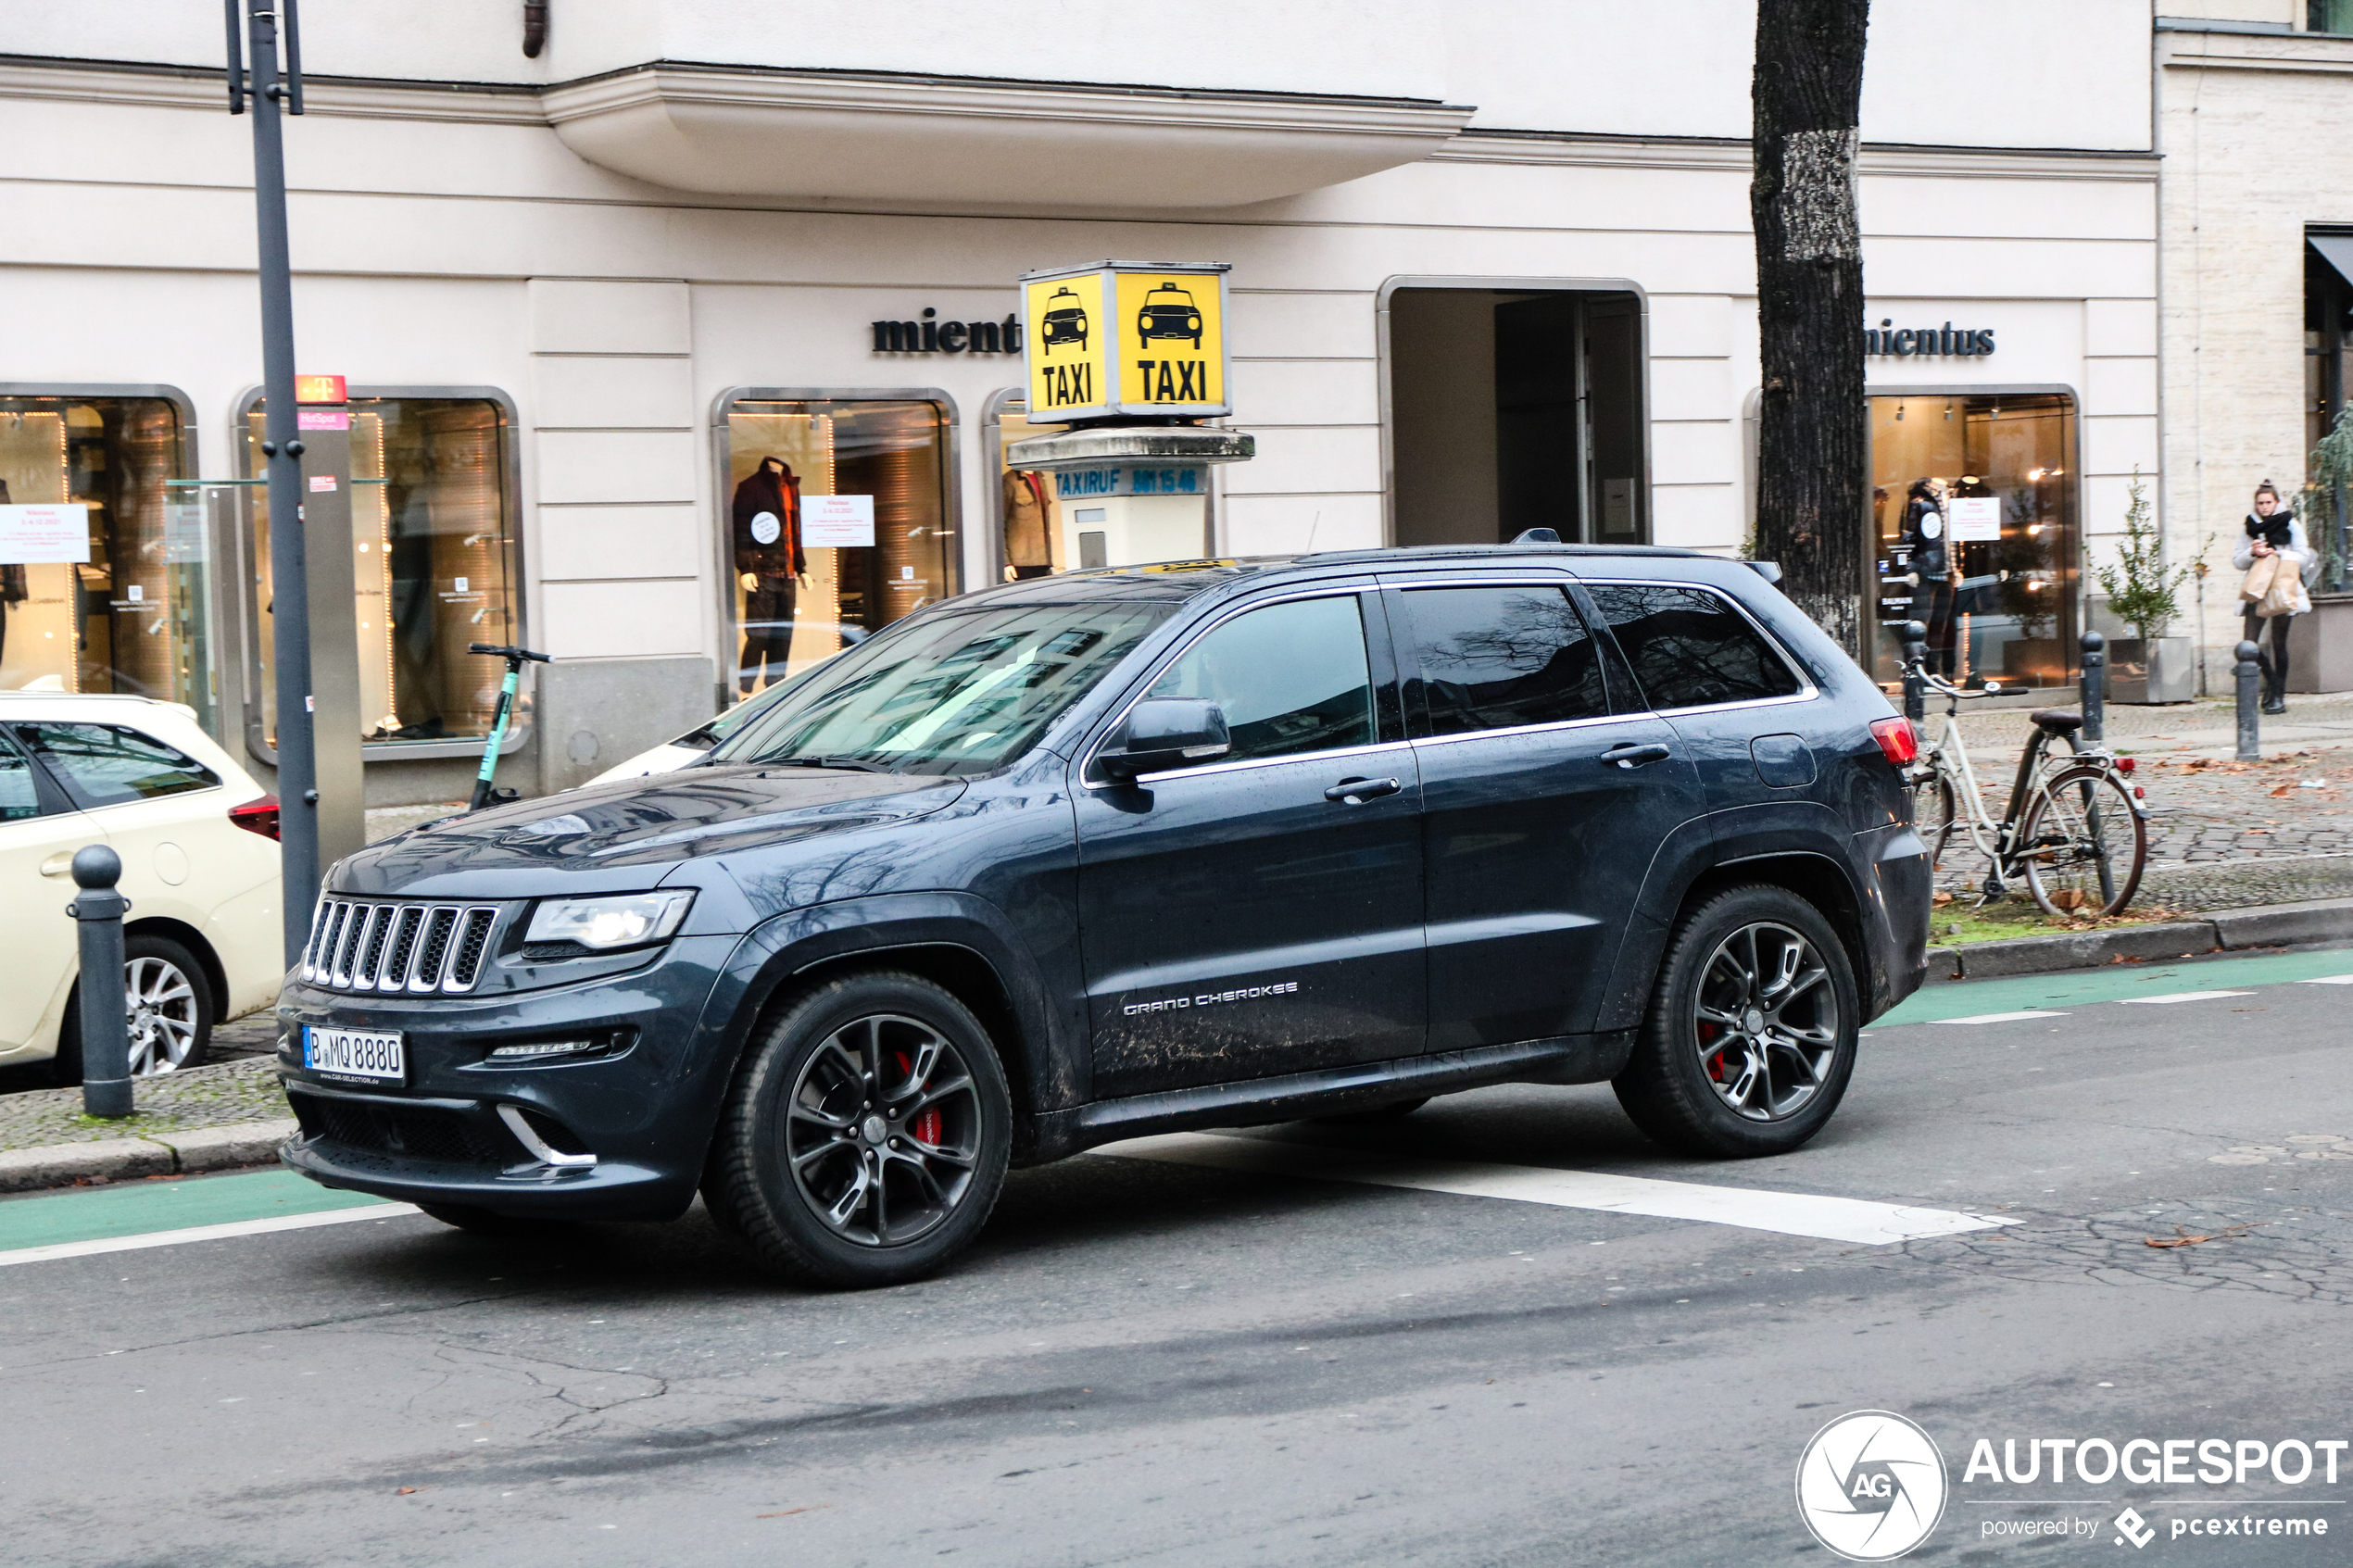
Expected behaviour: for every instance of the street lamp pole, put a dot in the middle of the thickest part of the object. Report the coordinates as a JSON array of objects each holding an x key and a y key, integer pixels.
[{"x": 282, "y": 446}]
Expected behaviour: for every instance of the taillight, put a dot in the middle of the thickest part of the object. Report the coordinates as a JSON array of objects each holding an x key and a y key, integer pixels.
[
  {"x": 257, "y": 816},
  {"x": 2125, "y": 764},
  {"x": 1898, "y": 741}
]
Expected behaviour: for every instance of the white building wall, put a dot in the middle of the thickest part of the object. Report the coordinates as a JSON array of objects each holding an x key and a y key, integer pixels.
[{"x": 447, "y": 237}]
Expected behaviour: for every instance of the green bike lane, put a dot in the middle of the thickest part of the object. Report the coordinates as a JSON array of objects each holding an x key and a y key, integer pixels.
[
  {"x": 2127, "y": 983},
  {"x": 42, "y": 1227}
]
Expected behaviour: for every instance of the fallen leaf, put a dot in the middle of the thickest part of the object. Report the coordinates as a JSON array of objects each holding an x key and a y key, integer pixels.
[
  {"x": 788, "y": 1512},
  {"x": 2285, "y": 789},
  {"x": 404, "y": 1491},
  {"x": 1941, "y": 898}
]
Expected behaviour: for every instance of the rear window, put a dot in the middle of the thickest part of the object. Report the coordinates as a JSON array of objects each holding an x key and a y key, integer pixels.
[
  {"x": 1690, "y": 648},
  {"x": 111, "y": 764},
  {"x": 1497, "y": 659}
]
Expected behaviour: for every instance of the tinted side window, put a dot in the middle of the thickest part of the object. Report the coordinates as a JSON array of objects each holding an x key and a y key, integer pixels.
[
  {"x": 1494, "y": 658},
  {"x": 17, "y": 797},
  {"x": 107, "y": 764},
  {"x": 1292, "y": 677},
  {"x": 1690, "y": 648}
]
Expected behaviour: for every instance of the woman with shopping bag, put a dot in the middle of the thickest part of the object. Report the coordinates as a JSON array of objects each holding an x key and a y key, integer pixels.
[{"x": 2278, "y": 561}]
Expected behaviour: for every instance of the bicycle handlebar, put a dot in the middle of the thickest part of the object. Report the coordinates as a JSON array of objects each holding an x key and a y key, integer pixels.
[
  {"x": 1918, "y": 666},
  {"x": 512, "y": 655}
]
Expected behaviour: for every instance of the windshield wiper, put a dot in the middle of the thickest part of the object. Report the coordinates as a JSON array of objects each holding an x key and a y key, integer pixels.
[{"x": 850, "y": 763}]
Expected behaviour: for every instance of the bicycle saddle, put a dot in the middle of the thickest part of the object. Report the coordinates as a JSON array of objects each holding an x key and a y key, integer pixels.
[{"x": 2058, "y": 720}]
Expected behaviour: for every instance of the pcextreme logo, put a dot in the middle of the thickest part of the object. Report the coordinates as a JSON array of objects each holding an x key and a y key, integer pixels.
[{"x": 1870, "y": 1486}]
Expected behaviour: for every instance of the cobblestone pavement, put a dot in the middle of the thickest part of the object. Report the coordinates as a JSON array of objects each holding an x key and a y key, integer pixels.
[
  {"x": 241, "y": 1090},
  {"x": 2222, "y": 833}
]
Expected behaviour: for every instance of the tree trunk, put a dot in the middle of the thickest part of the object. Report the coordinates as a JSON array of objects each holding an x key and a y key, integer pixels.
[{"x": 1812, "y": 441}]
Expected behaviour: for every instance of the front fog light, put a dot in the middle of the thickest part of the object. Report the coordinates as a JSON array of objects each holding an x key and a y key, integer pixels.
[
  {"x": 631, "y": 920},
  {"x": 540, "y": 1050}
]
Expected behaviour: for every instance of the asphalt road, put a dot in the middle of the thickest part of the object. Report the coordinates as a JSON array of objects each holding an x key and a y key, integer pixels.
[{"x": 1149, "y": 1361}]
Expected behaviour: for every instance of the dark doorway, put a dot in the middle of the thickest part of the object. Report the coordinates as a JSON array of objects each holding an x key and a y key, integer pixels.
[{"x": 1512, "y": 409}]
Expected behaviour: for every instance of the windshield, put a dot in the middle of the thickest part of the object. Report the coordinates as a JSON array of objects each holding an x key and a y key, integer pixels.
[{"x": 953, "y": 692}]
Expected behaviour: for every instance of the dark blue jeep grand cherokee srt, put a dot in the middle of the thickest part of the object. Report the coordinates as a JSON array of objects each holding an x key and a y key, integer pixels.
[{"x": 1085, "y": 857}]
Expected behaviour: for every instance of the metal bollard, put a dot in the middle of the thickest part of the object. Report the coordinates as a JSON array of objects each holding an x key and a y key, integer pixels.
[
  {"x": 1915, "y": 690},
  {"x": 2094, "y": 681},
  {"x": 2250, "y": 703},
  {"x": 106, "y": 1028}
]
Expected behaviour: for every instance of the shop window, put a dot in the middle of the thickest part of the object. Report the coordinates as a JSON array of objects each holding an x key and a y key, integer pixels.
[
  {"x": 432, "y": 564},
  {"x": 1050, "y": 522},
  {"x": 2327, "y": 346},
  {"x": 839, "y": 522},
  {"x": 1517, "y": 408},
  {"x": 133, "y": 616},
  {"x": 1975, "y": 495}
]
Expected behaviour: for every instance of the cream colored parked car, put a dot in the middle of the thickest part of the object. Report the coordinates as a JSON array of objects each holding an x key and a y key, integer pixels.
[{"x": 199, "y": 839}]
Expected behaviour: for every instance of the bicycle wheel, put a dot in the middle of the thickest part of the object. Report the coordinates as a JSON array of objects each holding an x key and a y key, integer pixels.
[
  {"x": 1934, "y": 813},
  {"x": 2083, "y": 844}
]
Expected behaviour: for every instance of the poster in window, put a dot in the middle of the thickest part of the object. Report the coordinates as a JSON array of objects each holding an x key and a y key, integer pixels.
[
  {"x": 1976, "y": 519},
  {"x": 44, "y": 535},
  {"x": 838, "y": 522}
]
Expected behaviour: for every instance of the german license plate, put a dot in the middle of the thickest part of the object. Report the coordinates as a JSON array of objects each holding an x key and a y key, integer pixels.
[{"x": 354, "y": 1053}]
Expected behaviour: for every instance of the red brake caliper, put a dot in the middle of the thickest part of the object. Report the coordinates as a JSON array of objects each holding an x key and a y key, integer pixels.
[
  {"x": 1707, "y": 1033},
  {"x": 927, "y": 1127}
]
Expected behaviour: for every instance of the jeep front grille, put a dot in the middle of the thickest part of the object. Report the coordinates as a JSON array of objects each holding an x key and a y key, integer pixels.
[{"x": 415, "y": 949}]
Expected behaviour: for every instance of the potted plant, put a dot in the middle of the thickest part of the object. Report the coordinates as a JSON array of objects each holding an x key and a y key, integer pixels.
[
  {"x": 2150, "y": 666},
  {"x": 2319, "y": 646}
]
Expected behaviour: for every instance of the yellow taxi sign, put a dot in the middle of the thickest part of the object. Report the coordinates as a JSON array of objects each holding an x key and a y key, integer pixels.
[{"x": 1125, "y": 338}]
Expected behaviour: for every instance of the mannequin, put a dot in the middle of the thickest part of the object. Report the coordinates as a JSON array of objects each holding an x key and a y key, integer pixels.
[
  {"x": 1932, "y": 558},
  {"x": 1029, "y": 525},
  {"x": 770, "y": 567},
  {"x": 12, "y": 586}
]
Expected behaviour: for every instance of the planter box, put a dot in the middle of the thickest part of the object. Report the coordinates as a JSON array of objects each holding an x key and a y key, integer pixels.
[
  {"x": 2160, "y": 669},
  {"x": 2319, "y": 646}
]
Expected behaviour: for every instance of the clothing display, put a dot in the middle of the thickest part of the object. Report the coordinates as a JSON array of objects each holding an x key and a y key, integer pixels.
[
  {"x": 12, "y": 588},
  {"x": 1932, "y": 556},
  {"x": 766, "y": 525},
  {"x": 1029, "y": 523}
]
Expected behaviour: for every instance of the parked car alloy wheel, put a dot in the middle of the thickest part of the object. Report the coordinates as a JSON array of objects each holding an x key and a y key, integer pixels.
[
  {"x": 169, "y": 1006},
  {"x": 1750, "y": 1034},
  {"x": 866, "y": 1136}
]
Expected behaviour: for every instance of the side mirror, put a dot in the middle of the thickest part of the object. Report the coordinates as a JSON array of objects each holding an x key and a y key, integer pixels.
[{"x": 1164, "y": 732}]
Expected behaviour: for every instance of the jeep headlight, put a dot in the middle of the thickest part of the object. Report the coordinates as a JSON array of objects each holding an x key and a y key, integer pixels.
[{"x": 628, "y": 920}]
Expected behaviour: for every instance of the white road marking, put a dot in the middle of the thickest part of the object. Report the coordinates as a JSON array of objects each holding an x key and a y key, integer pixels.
[
  {"x": 2180, "y": 996},
  {"x": 203, "y": 1233},
  {"x": 2329, "y": 980},
  {"x": 2002, "y": 1017},
  {"x": 1790, "y": 1213}
]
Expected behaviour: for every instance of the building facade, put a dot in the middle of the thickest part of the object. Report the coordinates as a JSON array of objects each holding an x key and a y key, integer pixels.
[
  {"x": 2256, "y": 125},
  {"x": 623, "y": 321}
]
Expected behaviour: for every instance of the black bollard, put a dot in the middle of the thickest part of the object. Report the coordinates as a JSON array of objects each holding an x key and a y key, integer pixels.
[
  {"x": 1915, "y": 690},
  {"x": 106, "y": 1028},
  {"x": 2094, "y": 688},
  {"x": 2250, "y": 703}
]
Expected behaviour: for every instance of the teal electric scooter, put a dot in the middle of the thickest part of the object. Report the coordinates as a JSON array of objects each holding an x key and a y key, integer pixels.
[{"x": 483, "y": 794}]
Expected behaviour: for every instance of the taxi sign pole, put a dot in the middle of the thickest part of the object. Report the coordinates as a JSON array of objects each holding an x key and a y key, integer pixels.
[{"x": 290, "y": 607}]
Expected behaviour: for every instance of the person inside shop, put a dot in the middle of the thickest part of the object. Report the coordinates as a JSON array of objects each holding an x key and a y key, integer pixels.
[
  {"x": 770, "y": 568},
  {"x": 2278, "y": 561},
  {"x": 1932, "y": 557}
]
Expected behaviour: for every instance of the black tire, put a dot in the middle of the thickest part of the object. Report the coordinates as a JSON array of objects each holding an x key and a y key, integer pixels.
[
  {"x": 1395, "y": 1110},
  {"x": 866, "y": 1135},
  {"x": 2083, "y": 844},
  {"x": 485, "y": 1221},
  {"x": 168, "y": 974},
  {"x": 1684, "y": 1086}
]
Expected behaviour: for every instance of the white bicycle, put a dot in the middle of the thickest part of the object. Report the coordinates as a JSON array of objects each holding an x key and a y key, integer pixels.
[{"x": 2075, "y": 830}]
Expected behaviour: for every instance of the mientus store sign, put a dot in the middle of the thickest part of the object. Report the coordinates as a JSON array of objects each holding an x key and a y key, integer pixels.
[{"x": 1945, "y": 341}]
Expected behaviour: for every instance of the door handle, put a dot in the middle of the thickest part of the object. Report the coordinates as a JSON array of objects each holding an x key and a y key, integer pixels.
[
  {"x": 1633, "y": 756},
  {"x": 57, "y": 864},
  {"x": 1355, "y": 791}
]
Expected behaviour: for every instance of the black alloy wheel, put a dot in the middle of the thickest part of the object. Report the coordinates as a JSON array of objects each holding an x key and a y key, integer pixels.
[
  {"x": 866, "y": 1136},
  {"x": 1750, "y": 1039}
]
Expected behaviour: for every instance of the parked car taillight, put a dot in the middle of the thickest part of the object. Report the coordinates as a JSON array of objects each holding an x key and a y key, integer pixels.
[
  {"x": 257, "y": 816},
  {"x": 1898, "y": 741}
]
